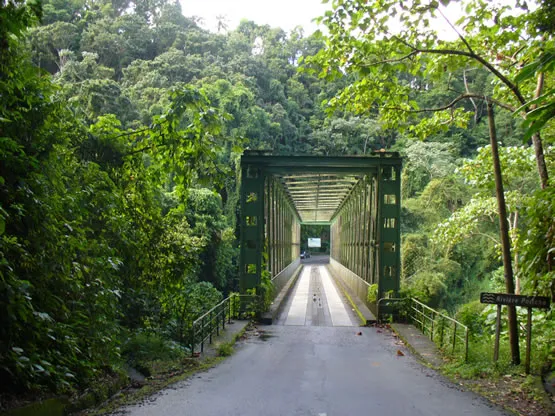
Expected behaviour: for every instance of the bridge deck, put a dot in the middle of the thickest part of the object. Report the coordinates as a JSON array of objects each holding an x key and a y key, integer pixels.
[{"x": 316, "y": 300}]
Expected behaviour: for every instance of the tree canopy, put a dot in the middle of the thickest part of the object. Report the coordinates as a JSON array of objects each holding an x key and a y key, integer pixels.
[{"x": 121, "y": 124}]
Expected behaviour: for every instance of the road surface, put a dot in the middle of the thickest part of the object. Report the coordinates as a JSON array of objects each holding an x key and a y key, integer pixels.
[{"x": 316, "y": 361}]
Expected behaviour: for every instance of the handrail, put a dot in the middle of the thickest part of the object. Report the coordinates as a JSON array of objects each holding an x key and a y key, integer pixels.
[
  {"x": 210, "y": 323},
  {"x": 428, "y": 317},
  {"x": 386, "y": 300},
  {"x": 428, "y": 320}
]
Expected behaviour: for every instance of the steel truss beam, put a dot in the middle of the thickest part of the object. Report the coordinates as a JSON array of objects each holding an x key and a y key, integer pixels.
[{"x": 358, "y": 196}]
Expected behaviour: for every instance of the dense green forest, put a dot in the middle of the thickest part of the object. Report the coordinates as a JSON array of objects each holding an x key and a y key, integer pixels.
[{"x": 121, "y": 124}]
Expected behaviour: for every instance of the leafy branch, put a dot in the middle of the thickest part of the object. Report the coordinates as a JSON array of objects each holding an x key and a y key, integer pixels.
[
  {"x": 472, "y": 55},
  {"x": 453, "y": 103}
]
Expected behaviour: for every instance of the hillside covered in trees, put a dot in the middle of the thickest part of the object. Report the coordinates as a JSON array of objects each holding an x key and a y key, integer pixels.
[{"x": 121, "y": 124}]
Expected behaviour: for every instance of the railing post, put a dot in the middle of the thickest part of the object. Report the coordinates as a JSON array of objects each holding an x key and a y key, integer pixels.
[
  {"x": 441, "y": 331},
  {"x": 423, "y": 313},
  {"x": 223, "y": 313},
  {"x": 202, "y": 335},
  {"x": 193, "y": 340},
  {"x": 423, "y": 318},
  {"x": 454, "y": 335},
  {"x": 210, "y": 327},
  {"x": 230, "y": 304},
  {"x": 217, "y": 323},
  {"x": 432, "y": 331},
  {"x": 466, "y": 345}
]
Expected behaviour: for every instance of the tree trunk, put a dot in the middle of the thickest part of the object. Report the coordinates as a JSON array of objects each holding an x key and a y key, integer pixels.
[
  {"x": 505, "y": 241},
  {"x": 536, "y": 139},
  {"x": 515, "y": 254},
  {"x": 540, "y": 160}
]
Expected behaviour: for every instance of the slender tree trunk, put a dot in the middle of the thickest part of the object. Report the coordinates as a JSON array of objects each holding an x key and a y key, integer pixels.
[
  {"x": 505, "y": 241},
  {"x": 537, "y": 142},
  {"x": 540, "y": 160},
  {"x": 515, "y": 254},
  {"x": 471, "y": 100}
]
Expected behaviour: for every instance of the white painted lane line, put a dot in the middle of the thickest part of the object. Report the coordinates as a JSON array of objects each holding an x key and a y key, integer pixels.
[
  {"x": 297, "y": 311},
  {"x": 339, "y": 315}
]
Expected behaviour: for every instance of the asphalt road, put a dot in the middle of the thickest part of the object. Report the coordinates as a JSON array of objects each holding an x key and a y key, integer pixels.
[{"x": 313, "y": 368}]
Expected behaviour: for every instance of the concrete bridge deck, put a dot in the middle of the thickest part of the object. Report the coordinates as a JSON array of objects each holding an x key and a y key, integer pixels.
[{"x": 316, "y": 300}]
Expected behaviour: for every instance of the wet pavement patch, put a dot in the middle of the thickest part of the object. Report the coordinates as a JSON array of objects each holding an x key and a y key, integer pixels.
[{"x": 264, "y": 336}]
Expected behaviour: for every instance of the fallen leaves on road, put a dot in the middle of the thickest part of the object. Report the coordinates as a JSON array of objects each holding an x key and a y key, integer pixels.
[{"x": 509, "y": 391}]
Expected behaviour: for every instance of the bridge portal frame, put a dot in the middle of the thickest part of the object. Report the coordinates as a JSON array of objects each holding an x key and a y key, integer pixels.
[{"x": 365, "y": 228}]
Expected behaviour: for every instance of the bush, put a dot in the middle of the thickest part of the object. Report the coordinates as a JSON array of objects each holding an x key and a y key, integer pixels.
[
  {"x": 372, "y": 294},
  {"x": 225, "y": 350},
  {"x": 471, "y": 315},
  {"x": 428, "y": 287},
  {"x": 143, "y": 348}
]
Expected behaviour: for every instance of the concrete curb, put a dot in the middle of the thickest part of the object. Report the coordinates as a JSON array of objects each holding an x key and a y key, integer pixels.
[
  {"x": 425, "y": 350},
  {"x": 365, "y": 315},
  {"x": 229, "y": 335},
  {"x": 280, "y": 300}
]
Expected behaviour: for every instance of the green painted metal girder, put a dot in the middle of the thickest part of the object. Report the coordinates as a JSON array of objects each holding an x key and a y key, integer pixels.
[
  {"x": 358, "y": 196},
  {"x": 276, "y": 170},
  {"x": 354, "y": 163}
]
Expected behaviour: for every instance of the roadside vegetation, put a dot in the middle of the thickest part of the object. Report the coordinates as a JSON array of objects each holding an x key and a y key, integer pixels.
[
  {"x": 478, "y": 200},
  {"x": 121, "y": 124}
]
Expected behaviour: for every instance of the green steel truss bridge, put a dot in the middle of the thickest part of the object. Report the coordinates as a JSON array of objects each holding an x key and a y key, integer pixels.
[{"x": 357, "y": 196}]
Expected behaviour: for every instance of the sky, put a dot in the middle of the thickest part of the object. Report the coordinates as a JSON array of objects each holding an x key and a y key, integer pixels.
[{"x": 285, "y": 14}]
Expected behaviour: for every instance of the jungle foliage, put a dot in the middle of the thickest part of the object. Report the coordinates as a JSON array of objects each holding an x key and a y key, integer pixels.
[
  {"x": 425, "y": 84},
  {"x": 121, "y": 123}
]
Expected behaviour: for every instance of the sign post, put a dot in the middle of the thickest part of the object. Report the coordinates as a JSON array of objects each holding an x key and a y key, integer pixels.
[
  {"x": 497, "y": 332},
  {"x": 517, "y": 300},
  {"x": 528, "y": 340}
]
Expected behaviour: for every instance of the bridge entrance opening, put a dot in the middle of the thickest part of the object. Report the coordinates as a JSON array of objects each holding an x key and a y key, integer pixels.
[
  {"x": 355, "y": 199},
  {"x": 315, "y": 240}
]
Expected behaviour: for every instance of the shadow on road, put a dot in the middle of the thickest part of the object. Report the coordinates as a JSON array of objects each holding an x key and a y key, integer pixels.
[{"x": 317, "y": 259}]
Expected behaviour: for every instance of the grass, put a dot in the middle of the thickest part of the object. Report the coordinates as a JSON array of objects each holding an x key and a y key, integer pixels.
[
  {"x": 171, "y": 367},
  {"x": 225, "y": 349},
  {"x": 149, "y": 353},
  {"x": 501, "y": 382},
  {"x": 154, "y": 384}
]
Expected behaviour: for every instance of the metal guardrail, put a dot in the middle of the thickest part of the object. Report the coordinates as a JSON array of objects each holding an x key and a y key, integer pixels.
[
  {"x": 384, "y": 302},
  {"x": 439, "y": 325},
  {"x": 214, "y": 320},
  {"x": 441, "y": 328}
]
